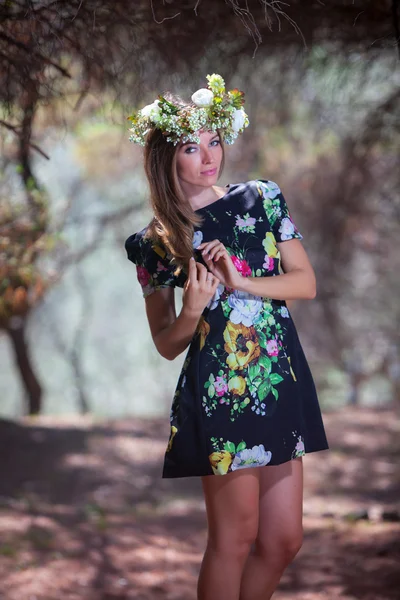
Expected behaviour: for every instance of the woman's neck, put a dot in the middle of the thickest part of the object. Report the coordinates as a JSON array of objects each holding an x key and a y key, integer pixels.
[{"x": 205, "y": 196}]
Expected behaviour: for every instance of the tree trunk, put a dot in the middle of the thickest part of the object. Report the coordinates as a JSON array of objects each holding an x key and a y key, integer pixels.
[{"x": 33, "y": 389}]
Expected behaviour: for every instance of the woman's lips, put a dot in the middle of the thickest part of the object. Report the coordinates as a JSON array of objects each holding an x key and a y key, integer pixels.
[{"x": 209, "y": 172}]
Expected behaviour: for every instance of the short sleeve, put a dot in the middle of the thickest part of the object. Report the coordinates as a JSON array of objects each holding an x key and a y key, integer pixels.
[
  {"x": 282, "y": 224},
  {"x": 153, "y": 268}
]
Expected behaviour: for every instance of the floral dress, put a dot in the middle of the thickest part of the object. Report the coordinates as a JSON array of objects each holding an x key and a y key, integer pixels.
[{"x": 245, "y": 396}]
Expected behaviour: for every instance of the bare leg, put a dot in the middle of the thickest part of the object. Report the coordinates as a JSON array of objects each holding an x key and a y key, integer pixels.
[
  {"x": 232, "y": 502},
  {"x": 280, "y": 531}
]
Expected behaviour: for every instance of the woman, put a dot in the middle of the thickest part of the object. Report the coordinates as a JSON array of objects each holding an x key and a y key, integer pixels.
[{"x": 245, "y": 398}]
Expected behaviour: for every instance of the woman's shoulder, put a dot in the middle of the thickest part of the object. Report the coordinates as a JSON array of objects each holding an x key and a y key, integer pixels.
[
  {"x": 142, "y": 249},
  {"x": 254, "y": 191},
  {"x": 265, "y": 187},
  {"x": 135, "y": 243}
]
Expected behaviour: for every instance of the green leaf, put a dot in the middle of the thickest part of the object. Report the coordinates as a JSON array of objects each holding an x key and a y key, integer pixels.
[
  {"x": 253, "y": 386},
  {"x": 275, "y": 378},
  {"x": 229, "y": 446},
  {"x": 254, "y": 370},
  {"x": 241, "y": 446},
  {"x": 207, "y": 384},
  {"x": 174, "y": 109},
  {"x": 275, "y": 393},
  {"x": 262, "y": 339},
  {"x": 265, "y": 362},
  {"x": 258, "y": 272},
  {"x": 264, "y": 389},
  {"x": 211, "y": 378},
  {"x": 211, "y": 391}
]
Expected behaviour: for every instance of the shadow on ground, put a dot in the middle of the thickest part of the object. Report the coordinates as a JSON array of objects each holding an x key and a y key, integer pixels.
[{"x": 85, "y": 514}]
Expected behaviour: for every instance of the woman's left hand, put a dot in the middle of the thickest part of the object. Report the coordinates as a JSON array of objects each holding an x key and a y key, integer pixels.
[{"x": 220, "y": 264}]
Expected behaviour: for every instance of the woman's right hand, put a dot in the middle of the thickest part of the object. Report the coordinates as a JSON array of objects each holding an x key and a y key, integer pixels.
[{"x": 199, "y": 288}]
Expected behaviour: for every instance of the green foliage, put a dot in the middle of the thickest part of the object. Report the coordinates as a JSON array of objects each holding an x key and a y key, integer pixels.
[
  {"x": 23, "y": 240},
  {"x": 97, "y": 515},
  {"x": 8, "y": 550}
]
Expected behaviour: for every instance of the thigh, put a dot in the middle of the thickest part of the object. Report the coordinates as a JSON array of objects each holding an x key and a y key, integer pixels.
[
  {"x": 281, "y": 506},
  {"x": 232, "y": 505}
]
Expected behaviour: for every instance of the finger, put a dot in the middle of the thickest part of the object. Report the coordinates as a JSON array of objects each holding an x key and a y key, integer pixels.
[
  {"x": 207, "y": 260},
  {"x": 210, "y": 279},
  {"x": 209, "y": 245},
  {"x": 192, "y": 267},
  {"x": 210, "y": 254},
  {"x": 220, "y": 248},
  {"x": 215, "y": 283},
  {"x": 201, "y": 273},
  {"x": 192, "y": 274},
  {"x": 212, "y": 270},
  {"x": 220, "y": 253},
  {"x": 203, "y": 245},
  {"x": 223, "y": 254}
]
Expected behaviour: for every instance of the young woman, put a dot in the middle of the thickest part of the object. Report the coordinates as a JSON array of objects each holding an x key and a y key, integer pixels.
[{"x": 245, "y": 409}]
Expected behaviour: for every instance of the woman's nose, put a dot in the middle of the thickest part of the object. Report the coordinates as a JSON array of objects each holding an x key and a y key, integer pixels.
[{"x": 207, "y": 156}]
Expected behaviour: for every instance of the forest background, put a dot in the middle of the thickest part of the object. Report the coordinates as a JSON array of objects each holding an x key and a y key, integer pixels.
[{"x": 322, "y": 92}]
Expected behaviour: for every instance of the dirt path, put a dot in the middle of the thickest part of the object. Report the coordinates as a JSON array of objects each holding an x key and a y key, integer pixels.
[{"x": 84, "y": 513}]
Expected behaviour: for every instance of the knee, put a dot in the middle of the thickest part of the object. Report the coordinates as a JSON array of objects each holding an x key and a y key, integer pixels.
[
  {"x": 291, "y": 546},
  {"x": 281, "y": 550},
  {"x": 236, "y": 539}
]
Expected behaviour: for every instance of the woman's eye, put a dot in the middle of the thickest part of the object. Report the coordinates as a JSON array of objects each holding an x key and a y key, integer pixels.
[
  {"x": 216, "y": 142},
  {"x": 188, "y": 149}
]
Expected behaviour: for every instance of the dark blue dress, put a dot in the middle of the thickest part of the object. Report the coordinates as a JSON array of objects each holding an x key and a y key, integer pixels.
[{"x": 245, "y": 396}]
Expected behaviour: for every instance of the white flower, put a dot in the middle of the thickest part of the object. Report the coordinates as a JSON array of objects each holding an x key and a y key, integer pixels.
[
  {"x": 197, "y": 238},
  {"x": 270, "y": 190},
  {"x": 203, "y": 97},
  {"x": 245, "y": 309},
  {"x": 286, "y": 229},
  {"x": 238, "y": 119},
  {"x": 256, "y": 456},
  {"x": 152, "y": 111},
  {"x": 213, "y": 303}
]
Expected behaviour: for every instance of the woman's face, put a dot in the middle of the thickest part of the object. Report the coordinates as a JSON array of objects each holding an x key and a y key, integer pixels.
[{"x": 199, "y": 164}]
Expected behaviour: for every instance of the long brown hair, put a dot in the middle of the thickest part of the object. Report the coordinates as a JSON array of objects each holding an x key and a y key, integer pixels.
[{"x": 174, "y": 219}]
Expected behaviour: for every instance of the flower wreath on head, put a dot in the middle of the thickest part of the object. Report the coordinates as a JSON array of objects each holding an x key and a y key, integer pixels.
[{"x": 213, "y": 108}]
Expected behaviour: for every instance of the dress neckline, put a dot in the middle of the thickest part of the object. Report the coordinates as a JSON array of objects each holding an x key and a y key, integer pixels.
[{"x": 215, "y": 201}]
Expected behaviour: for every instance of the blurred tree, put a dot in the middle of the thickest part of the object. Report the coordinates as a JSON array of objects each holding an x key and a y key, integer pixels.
[
  {"x": 338, "y": 146},
  {"x": 22, "y": 239},
  {"x": 50, "y": 50}
]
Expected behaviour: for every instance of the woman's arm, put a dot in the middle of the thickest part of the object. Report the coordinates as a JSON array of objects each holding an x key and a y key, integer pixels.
[
  {"x": 172, "y": 334},
  {"x": 297, "y": 281}
]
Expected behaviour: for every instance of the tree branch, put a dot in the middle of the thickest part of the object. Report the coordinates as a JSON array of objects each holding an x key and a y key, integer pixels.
[{"x": 14, "y": 129}]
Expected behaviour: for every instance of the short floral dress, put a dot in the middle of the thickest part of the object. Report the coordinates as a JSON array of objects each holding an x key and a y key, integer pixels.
[{"x": 245, "y": 396}]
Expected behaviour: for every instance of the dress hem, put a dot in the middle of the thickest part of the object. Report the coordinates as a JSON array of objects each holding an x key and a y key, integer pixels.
[{"x": 182, "y": 475}]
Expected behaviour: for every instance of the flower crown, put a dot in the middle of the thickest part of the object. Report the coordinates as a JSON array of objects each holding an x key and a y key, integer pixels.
[{"x": 214, "y": 108}]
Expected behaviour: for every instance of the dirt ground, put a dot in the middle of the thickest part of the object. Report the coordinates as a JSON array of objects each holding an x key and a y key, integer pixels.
[{"x": 85, "y": 514}]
